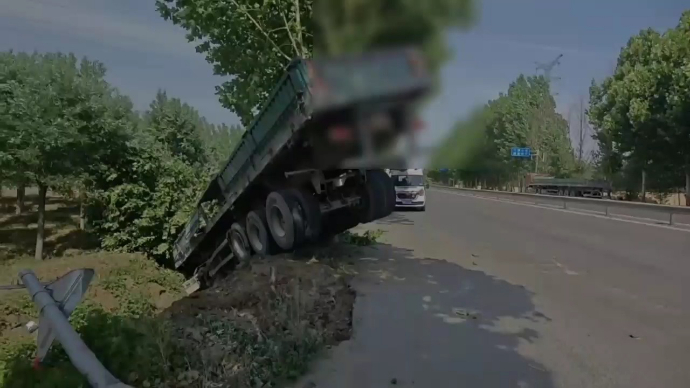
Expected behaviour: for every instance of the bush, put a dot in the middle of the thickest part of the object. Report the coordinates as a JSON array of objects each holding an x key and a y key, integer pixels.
[
  {"x": 370, "y": 237},
  {"x": 146, "y": 212}
]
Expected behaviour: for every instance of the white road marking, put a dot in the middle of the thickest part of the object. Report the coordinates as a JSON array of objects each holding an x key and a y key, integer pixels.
[{"x": 656, "y": 225}]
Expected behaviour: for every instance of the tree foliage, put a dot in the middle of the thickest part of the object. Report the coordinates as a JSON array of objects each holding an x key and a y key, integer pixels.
[
  {"x": 63, "y": 127},
  {"x": 239, "y": 37},
  {"x": 525, "y": 116},
  {"x": 641, "y": 111},
  {"x": 56, "y": 121}
]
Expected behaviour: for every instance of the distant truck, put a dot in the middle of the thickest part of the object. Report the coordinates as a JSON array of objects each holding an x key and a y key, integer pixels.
[
  {"x": 306, "y": 168},
  {"x": 542, "y": 184},
  {"x": 410, "y": 188}
]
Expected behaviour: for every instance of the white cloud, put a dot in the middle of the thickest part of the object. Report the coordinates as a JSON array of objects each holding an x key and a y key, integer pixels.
[{"x": 86, "y": 20}]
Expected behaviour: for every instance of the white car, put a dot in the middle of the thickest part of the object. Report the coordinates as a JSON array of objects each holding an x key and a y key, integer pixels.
[{"x": 409, "y": 191}]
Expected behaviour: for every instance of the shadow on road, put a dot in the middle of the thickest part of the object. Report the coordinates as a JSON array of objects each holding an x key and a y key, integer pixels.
[{"x": 431, "y": 323}]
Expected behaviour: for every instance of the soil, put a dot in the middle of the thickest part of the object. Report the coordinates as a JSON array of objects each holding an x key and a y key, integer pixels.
[{"x": 316, "y": 293}]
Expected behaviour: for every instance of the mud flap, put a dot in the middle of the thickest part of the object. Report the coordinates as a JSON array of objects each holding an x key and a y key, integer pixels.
[{"x": 192, "y": 285}]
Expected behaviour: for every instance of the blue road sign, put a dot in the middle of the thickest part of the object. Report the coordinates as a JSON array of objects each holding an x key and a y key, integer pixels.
[{"x": 521, "y": 152}]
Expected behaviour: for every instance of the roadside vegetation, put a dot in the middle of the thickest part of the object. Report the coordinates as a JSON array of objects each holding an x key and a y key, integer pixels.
[
  {"x": 261, "y": 325},
  {"x": 638, "y": 118}
]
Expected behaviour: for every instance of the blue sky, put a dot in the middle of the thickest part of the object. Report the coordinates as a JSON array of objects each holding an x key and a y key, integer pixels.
[{"x": 143, "y": 52}]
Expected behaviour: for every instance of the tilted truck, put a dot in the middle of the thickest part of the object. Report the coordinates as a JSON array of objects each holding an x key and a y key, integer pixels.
[{"x": 308, "y": 167}]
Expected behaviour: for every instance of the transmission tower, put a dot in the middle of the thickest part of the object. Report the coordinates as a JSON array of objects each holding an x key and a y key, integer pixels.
[{"x": 548, "y": 67}]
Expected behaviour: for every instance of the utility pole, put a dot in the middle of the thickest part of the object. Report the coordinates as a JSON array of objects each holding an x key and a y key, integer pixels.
[{"x": 547, "y": 68}]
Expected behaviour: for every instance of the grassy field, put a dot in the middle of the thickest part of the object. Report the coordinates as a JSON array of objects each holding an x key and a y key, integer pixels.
[{"x": 261, "y": 325}]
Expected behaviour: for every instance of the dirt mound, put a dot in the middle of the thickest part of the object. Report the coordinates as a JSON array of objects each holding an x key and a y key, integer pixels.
[{"x": 264, "y": 323}]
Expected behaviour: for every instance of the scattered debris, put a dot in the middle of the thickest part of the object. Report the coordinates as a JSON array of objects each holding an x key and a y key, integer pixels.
[
  {"x": 394, "y": 381},
  {"x": 465, "y": 314},
  {"x": 427, "y": 298},
  {"x": 475, "y": 255}
]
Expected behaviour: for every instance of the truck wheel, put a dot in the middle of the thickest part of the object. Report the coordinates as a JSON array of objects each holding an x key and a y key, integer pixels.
[
  {"x": 380, "y": 199},
  {"x": 339, "y": 221},
  {"x": 257, "y": 233},
  {"x": 311, "y": 211},
  {"x": 284, "y": 219},
  {"x": 239, "y": 243},
  {"x": 390, "y": 190}
]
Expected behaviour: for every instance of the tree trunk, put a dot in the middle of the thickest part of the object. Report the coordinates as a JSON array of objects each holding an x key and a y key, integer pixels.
[
  {"x": 21, "y": 194},
  {"x": 687, "y": 186},
  {"x": 644, "y": 185},
  {"x": 82, "y": 211},
  {"x": 40, "y": 228}
]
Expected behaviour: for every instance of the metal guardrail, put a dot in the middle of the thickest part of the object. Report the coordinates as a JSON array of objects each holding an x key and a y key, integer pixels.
[{"x": 607, "y": 204}]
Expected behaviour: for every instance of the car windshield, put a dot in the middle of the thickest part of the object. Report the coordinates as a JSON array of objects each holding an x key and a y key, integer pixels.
[{"x": 408, "y": 180}]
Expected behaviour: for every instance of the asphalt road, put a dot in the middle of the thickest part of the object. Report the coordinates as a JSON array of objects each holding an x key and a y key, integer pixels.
[{"x": 482, "y": 293}]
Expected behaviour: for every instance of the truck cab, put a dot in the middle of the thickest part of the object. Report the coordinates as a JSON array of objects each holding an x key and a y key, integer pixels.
[{"x": 410, "y": 191}]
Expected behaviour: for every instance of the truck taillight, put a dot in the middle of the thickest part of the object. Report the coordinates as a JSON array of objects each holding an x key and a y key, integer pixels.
[
  {"x": 340, "y": 134},
  {"x": 417, "y": 125}
]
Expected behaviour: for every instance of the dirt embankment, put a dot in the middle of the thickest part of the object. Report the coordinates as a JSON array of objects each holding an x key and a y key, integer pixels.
[{"x": 263, "y": 324}]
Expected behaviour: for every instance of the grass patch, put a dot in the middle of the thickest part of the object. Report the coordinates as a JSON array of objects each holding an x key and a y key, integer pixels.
[{"x": 370, "y": 237}]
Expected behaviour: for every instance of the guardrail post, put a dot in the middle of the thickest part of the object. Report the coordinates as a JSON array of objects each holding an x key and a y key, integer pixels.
[
  {"x": 606, "y": 210},
  {"x": 565, "y": 204},
  {"x": 670, "y": 218}
]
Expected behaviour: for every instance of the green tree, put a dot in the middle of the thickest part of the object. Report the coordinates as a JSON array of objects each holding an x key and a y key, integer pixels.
[
  {"x": 641, "y": 110},
  {"x": 479, "y": 148},
  {"x": 140, "y": 203},
  {"x": 220, "y": 141},
  {"x": 252, "y": 41},
  {"x": 141, "y": 208},
  {"x": 178, "y": 127},
  {"x": 53, "y": 121}
]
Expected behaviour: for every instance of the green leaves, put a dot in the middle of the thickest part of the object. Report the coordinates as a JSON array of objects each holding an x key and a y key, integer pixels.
[
  {"x": 63, "y": 125},
  {"x": 641, "y": 111},
  {"x": 252, "y": 42},
  {"x": 525, "y": 116}
]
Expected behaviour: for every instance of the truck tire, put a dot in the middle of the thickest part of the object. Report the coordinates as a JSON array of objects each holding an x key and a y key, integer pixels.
[
  {"x": 311, "y": 211},
  {"x": 285, "y": 220},
  {"x": 339, "y": 221},
  {"x": 239, "y": 243},
  {"x": 390, "y": 191},
  {"x": 379, "y": 201},
  {"x": 258, "y": 235}
]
